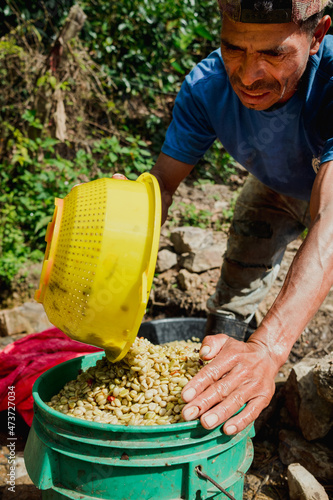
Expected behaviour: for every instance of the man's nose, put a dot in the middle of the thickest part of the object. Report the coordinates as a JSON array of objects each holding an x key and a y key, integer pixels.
[{"x": 251, "y": 70}]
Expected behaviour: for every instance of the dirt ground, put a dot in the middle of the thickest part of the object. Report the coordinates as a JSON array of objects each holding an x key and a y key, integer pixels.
[{"x": 266, "y": 478}]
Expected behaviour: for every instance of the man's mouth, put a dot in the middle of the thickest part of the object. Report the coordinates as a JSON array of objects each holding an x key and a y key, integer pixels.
[
  {"x": 248, "y": 95},
  {"x": 254, "y": 94}
]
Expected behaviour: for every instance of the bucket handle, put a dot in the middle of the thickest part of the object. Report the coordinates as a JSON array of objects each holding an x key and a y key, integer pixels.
[{"x": 205, "y": 476}]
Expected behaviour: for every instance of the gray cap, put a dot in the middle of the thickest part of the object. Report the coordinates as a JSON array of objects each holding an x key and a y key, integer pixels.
[{"x": 271, "y": 11}]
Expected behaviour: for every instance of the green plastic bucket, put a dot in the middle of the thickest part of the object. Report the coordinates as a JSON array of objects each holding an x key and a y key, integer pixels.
[{"x": 72, "y": 458}]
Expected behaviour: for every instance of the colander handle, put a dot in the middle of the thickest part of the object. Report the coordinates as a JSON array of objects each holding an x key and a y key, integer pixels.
[{"x": 51, "y": 238}]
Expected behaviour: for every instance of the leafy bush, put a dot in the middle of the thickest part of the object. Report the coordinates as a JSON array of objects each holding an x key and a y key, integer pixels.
[
  {"x": 26, "y": 201},
  {"x": 148, "y": 46},
  {"x": 46, "y": 15}
]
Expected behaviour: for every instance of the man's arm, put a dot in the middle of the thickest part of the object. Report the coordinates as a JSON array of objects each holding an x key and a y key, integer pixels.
[
  {"x": 242, "y": 373},
  {"x": 310, "y": 276},
  {"x": 169, "y": 173}
]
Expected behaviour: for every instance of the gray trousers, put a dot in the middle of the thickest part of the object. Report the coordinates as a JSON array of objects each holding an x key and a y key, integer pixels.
[{"x": 264, "y": 223}]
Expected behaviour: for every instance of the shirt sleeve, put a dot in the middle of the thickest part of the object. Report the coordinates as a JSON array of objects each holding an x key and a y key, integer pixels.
[
  {"x": 327, "y": 153},
  {"x": 190, "y": 133}
]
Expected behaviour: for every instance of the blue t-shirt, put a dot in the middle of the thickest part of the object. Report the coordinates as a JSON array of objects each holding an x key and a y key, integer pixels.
[{"x": 281, "y": 147}]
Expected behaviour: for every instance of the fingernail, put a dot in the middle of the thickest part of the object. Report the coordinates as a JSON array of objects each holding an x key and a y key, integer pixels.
[
  {"x": 231, "y": 429},
  {"x": 205, "y": 350},
  {"x": 211, "y": 419},
  {"x": 191, "y": 413},
  {"x": 189, "y": 394},
  {"x": 119, "y": 176}
]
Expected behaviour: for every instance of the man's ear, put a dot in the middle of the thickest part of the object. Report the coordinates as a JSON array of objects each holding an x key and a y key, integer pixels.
[{"x": 318, "y": 36}]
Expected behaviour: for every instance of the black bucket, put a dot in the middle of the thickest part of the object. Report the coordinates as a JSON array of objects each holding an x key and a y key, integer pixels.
[{"x": 161, "y": 331}]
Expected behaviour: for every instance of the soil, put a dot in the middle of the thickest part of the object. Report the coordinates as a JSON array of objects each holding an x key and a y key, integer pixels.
[{"x": 266, "y": 478}]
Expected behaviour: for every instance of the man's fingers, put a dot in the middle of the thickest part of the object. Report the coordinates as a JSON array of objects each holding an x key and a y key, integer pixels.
[
  {"x": 223, "y": 411},
  {"x": 212, "y": 396},
  {"x": 115, "y": 176},
  {"x": 248, "y": 415},
  {"x": 226, "y": 411},
  {"x": 224, "y": 397},
  {"x": 223, "y": 388},
  {"x": 206, "y": 377},
  {"x": 119, "y": 176},
  {"x": 212, "y": 345},
  {"x": 215, "y": 370}
]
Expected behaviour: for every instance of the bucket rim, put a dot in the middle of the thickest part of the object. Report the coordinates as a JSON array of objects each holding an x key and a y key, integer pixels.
[{"x": 38, "y": 401}]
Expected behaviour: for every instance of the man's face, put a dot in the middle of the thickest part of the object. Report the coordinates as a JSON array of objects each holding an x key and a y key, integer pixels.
[{"x": 264, "y": 62}]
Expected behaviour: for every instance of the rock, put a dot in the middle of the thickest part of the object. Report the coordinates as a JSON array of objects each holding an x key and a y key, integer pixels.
[
  {"x": 164, "y": 241},
  {"x": 187, "y": 238},
  {"x": 187, "y": 280},
  {"x": 28, "y": 318},
  {"x": 315, "y": 456},
  {"x": 303, "y": 486},
  {"x": 311, "y": 413},
  {"x": 323, "y": 377},
  {"x": 202, "y": 260},
  {"x": 165, "y": 260},
  {"x": 221, "y": 205},
  {"x": 20, "y": 469}
]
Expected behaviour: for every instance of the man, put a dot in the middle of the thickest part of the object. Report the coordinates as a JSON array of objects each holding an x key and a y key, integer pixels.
[{"x": 267, "y": 94}]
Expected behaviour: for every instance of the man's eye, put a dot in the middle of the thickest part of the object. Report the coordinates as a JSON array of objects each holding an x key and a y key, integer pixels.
[
  {"x": 272, "y": 53},
  {"x": 232, "y": 50}
]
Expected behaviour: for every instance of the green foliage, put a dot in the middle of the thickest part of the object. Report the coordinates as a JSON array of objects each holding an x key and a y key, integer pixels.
[
  {"x": 187, "y": 214},
  {"x": 151, "y": 44},
  {"x": 45, "y": 15},
  {"x": 304, "y": 233},
  {"x": 130, "y": 160},
  {"x": 193, "y": 216},
  {"x": 26, "y": 201},
  {"x": 216, "y": 166},
  {"x": 228, "y": 213}
]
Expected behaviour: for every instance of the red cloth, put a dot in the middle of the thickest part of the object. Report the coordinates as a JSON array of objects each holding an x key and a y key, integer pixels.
[{"x": 23, "y": 361}]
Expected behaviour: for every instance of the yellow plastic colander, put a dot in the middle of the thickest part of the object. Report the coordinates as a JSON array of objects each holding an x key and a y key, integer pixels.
[{"x": 99, "y": 262}]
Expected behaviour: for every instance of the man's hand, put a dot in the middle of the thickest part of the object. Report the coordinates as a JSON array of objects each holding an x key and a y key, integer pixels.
[
  {"x": 115, "y": 176},
  {"x": 120, "y": 176},
  {"x": 239, "y": 373}
]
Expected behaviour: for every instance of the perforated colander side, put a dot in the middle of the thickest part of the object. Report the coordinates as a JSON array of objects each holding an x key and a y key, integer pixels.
[{"x": 77, "y": 253}]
